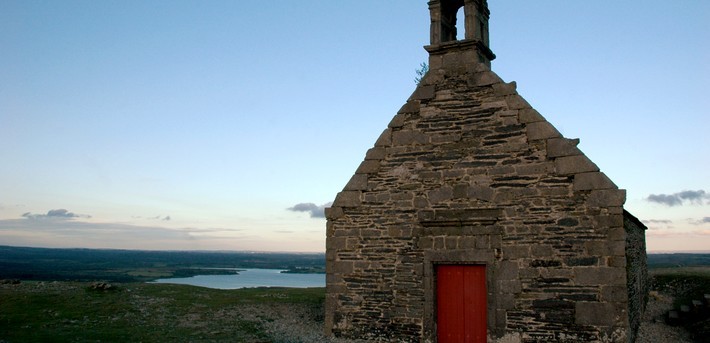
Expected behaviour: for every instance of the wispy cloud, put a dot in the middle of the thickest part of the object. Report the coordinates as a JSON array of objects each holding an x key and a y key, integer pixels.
[
  {"x": 680, "y": 198},
  {"x": 657, "y": 221},
  {"x": 314, "y": 210},
  {"x": 675, "y": 233},
  {"x": 705, "y": 220},
  {"x": 160, "y": 217},
  {"x": 4, "y": 206},
  {"x": 55, "y": 214},
  {"x": 655, "y": 224},
  {"x": 61, "y": 232}
]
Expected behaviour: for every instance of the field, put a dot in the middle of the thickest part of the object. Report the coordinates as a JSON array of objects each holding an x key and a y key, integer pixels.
[
  {"x": 141, "y": 312},
  {"x": 684, "y": 277},
  {"x": 52, "y": 295},
  {"x": 78, "y": 309}
]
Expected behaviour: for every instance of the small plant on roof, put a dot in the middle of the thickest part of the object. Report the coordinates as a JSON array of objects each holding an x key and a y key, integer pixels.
[{"x": 423, "y": 69}]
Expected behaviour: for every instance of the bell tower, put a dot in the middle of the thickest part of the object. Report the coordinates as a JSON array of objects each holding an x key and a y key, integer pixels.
[{"x": 444, "y": 28}]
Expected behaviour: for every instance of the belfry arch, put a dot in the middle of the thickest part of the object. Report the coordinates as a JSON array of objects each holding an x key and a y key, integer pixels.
[{"x": 444, "y": 26}]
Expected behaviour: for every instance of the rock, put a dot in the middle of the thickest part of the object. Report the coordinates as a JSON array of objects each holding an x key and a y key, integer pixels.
[{"x": 101, "y": 286}]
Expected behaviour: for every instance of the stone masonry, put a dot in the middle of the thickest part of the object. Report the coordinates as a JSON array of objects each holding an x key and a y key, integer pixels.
[{"x": 468, "y": 172}]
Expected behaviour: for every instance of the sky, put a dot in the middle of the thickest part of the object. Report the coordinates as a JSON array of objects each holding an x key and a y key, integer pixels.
[{"x": 229, "y": 125}]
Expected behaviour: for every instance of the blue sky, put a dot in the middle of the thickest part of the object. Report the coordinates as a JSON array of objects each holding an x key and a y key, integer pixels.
[{"x": 212, "y": 124}]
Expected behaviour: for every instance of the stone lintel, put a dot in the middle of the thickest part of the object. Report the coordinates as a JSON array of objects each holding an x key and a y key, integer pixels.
[
  {"x": 429, "y": 229},
  {"x": 457, "y": 216}
]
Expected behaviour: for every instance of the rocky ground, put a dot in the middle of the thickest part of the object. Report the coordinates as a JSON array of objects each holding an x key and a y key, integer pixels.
[{"x": 654, "y": 329}]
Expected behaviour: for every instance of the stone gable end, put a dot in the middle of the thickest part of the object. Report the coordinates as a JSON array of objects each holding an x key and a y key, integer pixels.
[{"x": 467, "y": 172}]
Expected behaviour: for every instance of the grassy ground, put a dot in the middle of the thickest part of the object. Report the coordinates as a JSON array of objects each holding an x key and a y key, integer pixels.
[
  {"x": 140, "y": 312},
  {"x": 685, "y": 284},
  {"x": 73, "y": 312}
]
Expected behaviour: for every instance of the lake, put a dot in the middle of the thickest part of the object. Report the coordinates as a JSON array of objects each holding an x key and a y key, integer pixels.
[{"x": 251, "y": 278}]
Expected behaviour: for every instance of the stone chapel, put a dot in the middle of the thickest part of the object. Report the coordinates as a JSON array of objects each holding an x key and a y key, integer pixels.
[{"x": 472, "y": 219}]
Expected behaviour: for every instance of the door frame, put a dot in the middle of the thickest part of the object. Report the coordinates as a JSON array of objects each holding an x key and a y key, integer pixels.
[{"x": 487, "y": 257}]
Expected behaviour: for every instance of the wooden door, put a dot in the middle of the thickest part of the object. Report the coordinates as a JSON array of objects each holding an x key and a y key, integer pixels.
[{"x": 461, "y": 303}]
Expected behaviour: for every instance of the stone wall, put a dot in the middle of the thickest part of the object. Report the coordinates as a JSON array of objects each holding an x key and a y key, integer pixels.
[
  {"x": 636, "y": 271},
  {"x": 468, "y": 172}
]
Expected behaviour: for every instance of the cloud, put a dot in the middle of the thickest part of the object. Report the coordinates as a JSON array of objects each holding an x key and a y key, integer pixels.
[
  {"x": 677, "y": 199},
  {"x": 78, "y": 233},
  {"x": 55, "y": 214},
  {"x": 705, "y": 220},
  {"x": 160, "y": 217},
  {"x": 655, "y": 224},
  {"x": 315, "y": 210},
  {"x": 656, "y": 221},
  {"x": 658, "y": 224}
]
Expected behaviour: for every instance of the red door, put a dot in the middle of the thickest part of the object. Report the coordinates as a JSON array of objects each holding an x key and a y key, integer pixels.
[{"x": 461, "y": 303}]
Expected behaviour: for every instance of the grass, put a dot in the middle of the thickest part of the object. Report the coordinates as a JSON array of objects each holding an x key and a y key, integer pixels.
[
  {"x": 142, "y": 312},
  {"x": 685, "y": 284},
  {"x": 139, "y": 312}
]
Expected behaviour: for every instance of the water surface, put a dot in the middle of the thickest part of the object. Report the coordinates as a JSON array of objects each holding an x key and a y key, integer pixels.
[{"x": 251, "y": 278}]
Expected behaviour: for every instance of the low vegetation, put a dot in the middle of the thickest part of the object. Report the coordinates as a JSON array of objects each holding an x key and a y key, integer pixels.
[
  {"x": 141, "y": 312},
  {"x": 685, "y": 277},
  {"x": 80, "y": 309}
]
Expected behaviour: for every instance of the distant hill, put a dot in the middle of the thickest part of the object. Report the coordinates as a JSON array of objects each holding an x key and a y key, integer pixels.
[
  {"x": 678, "y": 260},
  {"x": 139, "y": 265}
]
